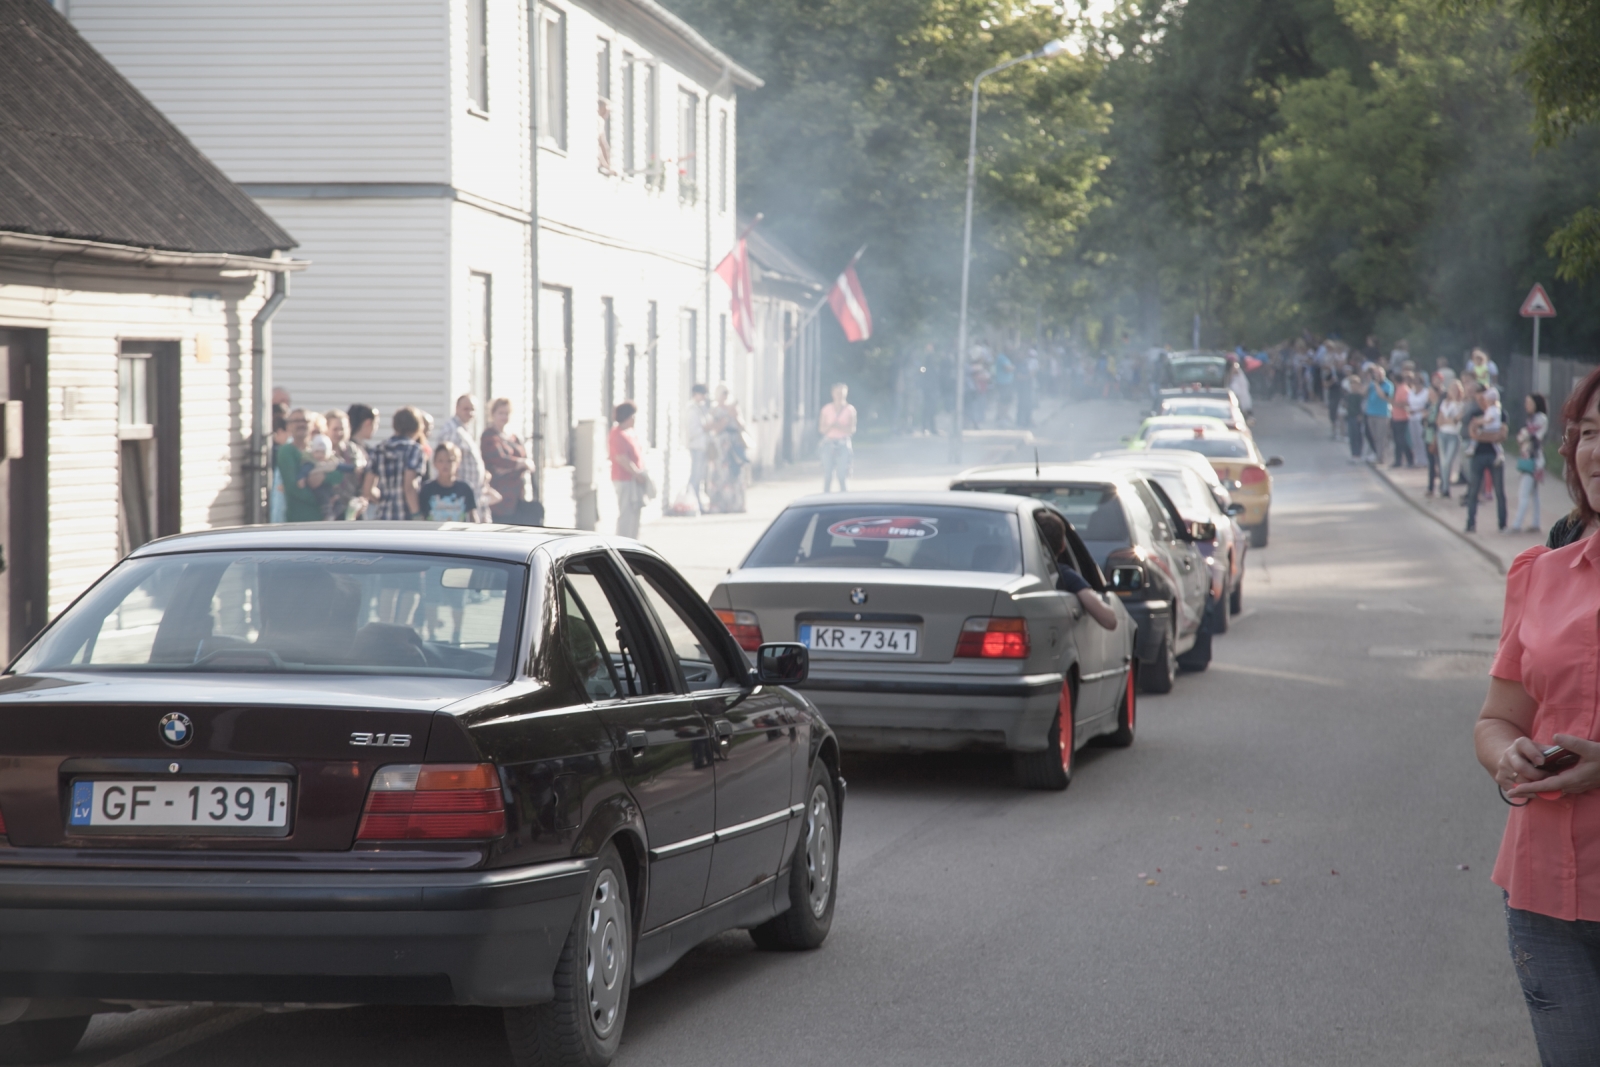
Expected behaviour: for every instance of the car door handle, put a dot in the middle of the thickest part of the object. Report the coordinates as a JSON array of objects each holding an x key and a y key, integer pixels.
[
  {"x": 724, "y": 730},
  {"x": 637, "y": 740}
]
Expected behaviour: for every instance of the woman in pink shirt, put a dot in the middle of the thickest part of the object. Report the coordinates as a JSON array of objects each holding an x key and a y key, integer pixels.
[{"x": 1544, "y": 691}]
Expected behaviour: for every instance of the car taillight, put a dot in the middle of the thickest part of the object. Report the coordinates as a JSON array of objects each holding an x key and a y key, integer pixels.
[
  {"x": 993, "y": 639},
  {"x": 433, "y": 801},
  {"x": 2, "y": 822},
  {"x": 744, "y": 626},
  {"x": 1252, "y": 476}
]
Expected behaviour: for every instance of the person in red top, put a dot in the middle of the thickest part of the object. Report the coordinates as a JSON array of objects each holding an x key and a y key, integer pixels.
[
  {"x": 1544, "y": 691},
  {"x": 628, "y": 476}
]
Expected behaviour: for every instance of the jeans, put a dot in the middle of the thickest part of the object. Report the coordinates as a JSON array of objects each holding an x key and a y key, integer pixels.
[
  {"x": 1353, "y": 425},
  {"x": 1449, "y": 452},
  {"x": 697, "y": 476},
  {"x": 1558, "y": 964},
  {"x": 1378, "y": 435},
  {"x": 1401, "y": 430},
  {"x": 630, "y": 501},
  {"x": 836, "y": 455},
  {"x": 1497, "y": 474},
  {"x": 1527, "y": 497}
]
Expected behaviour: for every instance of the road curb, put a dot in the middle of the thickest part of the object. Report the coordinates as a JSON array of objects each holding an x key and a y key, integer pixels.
[{"x": 1486, "y": 553}]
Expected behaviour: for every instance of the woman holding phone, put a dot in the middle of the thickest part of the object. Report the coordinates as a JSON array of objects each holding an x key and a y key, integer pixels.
[{"x": 1543, "y": 689}]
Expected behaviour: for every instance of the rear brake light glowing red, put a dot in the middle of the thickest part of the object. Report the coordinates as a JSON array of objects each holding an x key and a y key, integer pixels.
[
  {"x": 744, "y": 626},
  {"x": 2, "y": 822},
  {"x": 993, "y": 639},
  {"x": 435, "y": 802},
  {"x": 1252, "y": 476}
]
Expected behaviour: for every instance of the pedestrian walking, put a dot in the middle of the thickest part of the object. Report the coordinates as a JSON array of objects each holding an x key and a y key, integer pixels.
[
  {"x": 1530, "y": 462},
  {"x": 628, "y": 476},
  {"x": 837, "y": 425},
  {"x": 729, "y": 453},
  {"x": 1487, "y": 431},
  {"x": 1400, "y": 423},
  {"x": 1377, "y": 407},
  {"x": 457, "y": 430},
  {"x": 696, "y": 420},
  {"x": 1542, "y": 691},
  {"x": 510, "y": 470},
  {"x": 1447, "y": 435}
]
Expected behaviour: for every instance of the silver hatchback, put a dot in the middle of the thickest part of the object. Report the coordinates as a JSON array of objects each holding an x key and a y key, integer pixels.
[{"x": 935, "y": 623}]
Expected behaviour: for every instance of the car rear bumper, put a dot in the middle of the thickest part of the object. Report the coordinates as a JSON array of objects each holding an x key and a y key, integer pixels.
[
  {"x": 933, "y": 714},
  {"x": 481, "y": 937}
]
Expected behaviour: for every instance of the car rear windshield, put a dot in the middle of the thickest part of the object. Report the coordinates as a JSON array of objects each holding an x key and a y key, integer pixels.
[
  {"x": 1210, "y": 372},
  {"x": 1215, "y": 409},
  {"x": 1214, "y": 447},
  {"x": 295, "y": 612},
  {"x": 1093, "y": 510},
  {"x": 911, "y": 536}
]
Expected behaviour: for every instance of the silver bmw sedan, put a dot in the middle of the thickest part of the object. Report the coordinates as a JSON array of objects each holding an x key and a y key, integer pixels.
[{"x": 941, "y": 621}]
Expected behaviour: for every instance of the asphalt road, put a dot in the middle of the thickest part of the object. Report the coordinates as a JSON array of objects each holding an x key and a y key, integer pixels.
[{"x": 1290, "y": 866}]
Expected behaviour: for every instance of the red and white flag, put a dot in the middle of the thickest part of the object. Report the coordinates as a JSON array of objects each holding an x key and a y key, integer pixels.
[
  {"x": 849, "y": 303},
  {"x": 735, "y": 270}
]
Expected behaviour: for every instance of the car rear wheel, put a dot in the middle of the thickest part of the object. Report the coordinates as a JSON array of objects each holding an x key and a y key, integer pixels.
[
  {"x": 582, "y": 1026},
  {"x": 1258, "y": 534},
  {"x": 811, "y": 876},
  {"x": 1236, "y": 598},
  {"x": 1198, "y": 658},
  {"x": 1158, "y": 675},
  {"x": 1052, "y": 768},
  {"x": 41, "y": 1040},
  {"x": 1127, "y": 711}
]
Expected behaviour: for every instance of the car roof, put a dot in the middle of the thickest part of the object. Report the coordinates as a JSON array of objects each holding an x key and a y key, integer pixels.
[
  {"x": 1159, "y": 422},
  {"x": 480, "y": 540},
  {"x": 1167, "y": 459},
  {"x": 1042, "y": 474},
  {"x": 1210, "y": 397},
  {"x": 950, "y": 498},
  {"x": 1219, "y": 435}
]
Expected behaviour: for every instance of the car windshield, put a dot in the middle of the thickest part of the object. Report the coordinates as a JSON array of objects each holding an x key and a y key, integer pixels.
[
  {"x": 291, "y": 611},
  {"x": 1210, "y": 371},
  {"x": 1093, "y": 510},
  {"x": 1212, "y": 447},
  {"x": 911, "y": 536}
]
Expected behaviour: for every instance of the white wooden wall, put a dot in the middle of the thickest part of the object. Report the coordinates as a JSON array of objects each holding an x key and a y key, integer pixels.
[{"x": 86, "y": 317}]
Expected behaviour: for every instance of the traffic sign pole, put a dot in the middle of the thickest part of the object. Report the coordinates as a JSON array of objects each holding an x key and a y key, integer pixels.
[{"x": 1537, "y": 305}]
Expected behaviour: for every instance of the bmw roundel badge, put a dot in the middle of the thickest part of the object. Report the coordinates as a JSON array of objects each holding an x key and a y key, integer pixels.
[
  {"x": 176, "y": 729},
  {"x": 858, "y": 595}
]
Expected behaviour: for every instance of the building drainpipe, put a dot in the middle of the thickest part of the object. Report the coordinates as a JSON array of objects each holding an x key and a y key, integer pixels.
[{"x": 260, "y": 459}]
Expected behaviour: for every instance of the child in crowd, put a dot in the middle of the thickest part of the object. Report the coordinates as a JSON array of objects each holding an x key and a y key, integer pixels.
[{"x": 444, "y": 499}]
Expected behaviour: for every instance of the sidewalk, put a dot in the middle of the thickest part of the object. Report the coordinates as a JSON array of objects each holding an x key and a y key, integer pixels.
[{"x": 1498, "y": 548}]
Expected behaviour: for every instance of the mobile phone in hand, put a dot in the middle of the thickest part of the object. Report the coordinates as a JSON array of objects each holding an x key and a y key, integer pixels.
[{"x": 1557, "y": 759}]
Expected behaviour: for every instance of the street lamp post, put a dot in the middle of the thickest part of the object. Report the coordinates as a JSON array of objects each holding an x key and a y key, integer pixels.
[{"x": 1053, "y": 48}]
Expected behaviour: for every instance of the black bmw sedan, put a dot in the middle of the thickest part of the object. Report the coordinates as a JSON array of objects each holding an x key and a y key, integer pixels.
[{"x": 334, "y": 764}]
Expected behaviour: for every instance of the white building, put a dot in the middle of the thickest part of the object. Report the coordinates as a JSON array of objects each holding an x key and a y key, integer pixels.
[
  {"x": 135, "y": 286},
  {"x": 399, "y": 141}
]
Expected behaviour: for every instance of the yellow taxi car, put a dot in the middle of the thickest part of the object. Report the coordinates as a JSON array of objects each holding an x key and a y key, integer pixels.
[{"x": 1238, "y": 463}]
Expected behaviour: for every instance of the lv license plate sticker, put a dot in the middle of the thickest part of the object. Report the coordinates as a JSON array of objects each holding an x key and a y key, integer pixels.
[
  {"x": 878, "y": 640},
  {"x": 182, "y": 806}
]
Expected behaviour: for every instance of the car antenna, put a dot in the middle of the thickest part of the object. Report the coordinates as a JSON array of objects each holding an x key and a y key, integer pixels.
[{"x": 1036, "y": 461}]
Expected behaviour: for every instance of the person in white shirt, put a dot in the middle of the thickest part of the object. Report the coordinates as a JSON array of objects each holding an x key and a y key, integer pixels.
[{"x": 698, "y": 438}]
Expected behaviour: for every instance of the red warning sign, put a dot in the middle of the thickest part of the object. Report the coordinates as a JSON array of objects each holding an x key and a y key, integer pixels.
[{"x": 1538, "y": 305}]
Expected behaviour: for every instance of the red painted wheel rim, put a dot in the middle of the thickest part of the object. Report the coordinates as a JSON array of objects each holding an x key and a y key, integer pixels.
[
  {"x": 1130, "y": 698},
  {"x": 1064, "y": 731}
]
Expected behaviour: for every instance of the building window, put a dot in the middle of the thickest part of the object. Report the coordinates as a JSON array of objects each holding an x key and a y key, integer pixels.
[
  {"x": 480, "y": 350},
  {"x": 689, "y": 344},
  {"x": 603, "y": 99},
  {"x": 553, "y": 77},
  {"x": 148, "y": 470},
  {"x": 608, "y": 333},
  {"x": 688, "y": 147},
  {"x": 655, "y": 174},
  {"x": 629, "y": 156},
  {"x": 722, "y": 162},
  {"x": 653, "y": 351},
  {"x": 478, "y": 54}
]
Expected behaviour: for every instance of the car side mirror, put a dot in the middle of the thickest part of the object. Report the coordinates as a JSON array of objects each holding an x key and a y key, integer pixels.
[
  {"x": 1275, "y": 461},
  {"x": 1127, "y": 579},
  {"x": 782, "y": 663},
  {"x": 1202, "y": 531}
]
